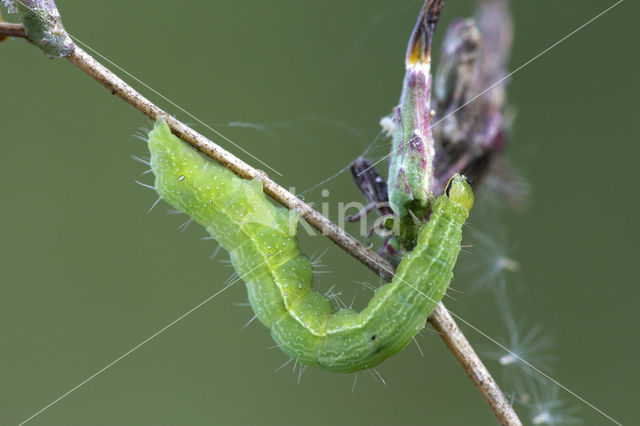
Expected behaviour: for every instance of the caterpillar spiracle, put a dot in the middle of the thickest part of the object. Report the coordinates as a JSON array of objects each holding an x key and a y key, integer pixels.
[{"x": 260, "y": 238}]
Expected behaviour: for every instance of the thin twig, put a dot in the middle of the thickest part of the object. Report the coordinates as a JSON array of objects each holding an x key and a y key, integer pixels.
[
  {"x": 440, "y": 318},
  {"x": 458, "y": 344},
  {"x": 12, "y": 30}
]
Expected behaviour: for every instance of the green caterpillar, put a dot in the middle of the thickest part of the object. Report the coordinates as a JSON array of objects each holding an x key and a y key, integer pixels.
[{"x": 260, "y": 239}]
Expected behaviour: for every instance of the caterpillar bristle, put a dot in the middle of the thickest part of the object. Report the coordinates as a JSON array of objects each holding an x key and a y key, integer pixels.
[
  {"x": 154, "y": 204},
  {"x": 374, "y": 372},
  {"x": 316, "y": 260},
  {"x": 466, "y": 249},
  {"x": 366, "y": 285},
  {"x": 455, "y": 290},
  {"x": 141, "y": 137},
  {"x": 301, "y": 371},
  {"x": 143, "y": 131},
  {"x": 185, "y": 225},
  {"x": 249, "y": 322},
  {"x": 284, "y": 365},
  {"x": 450, "y": 297},
  {"x": 429, "y": 331},
  {"x": 316, "y": 264},
  {"x": 146, "y": 185},
  {"x": 353, "y": 301},
  {"x": 335, "y": 297},
  {"x": 418, "y": 345},
  {"x": 215, "y": 252},
  {"x": 140, "y": 159},
  {"x": 230, "y": 278}
]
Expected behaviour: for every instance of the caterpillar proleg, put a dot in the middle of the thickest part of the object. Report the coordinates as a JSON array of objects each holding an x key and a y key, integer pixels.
[{"x": 260, "y": 238}]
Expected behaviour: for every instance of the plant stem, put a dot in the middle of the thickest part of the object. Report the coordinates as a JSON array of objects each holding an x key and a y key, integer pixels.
[
  {"x": 12, "y": 30},
  {"x": 441, "y": 319}
]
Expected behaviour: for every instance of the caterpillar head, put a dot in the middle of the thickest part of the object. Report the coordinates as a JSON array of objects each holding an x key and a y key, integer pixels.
[{"x": 459, "y": 190}]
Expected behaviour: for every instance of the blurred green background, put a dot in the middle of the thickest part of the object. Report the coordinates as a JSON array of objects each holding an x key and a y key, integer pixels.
[{"x": 86, "y": 274}]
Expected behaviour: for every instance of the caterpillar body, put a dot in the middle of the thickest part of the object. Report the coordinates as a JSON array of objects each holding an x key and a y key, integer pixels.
[{"x": 260, "y": 238}]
